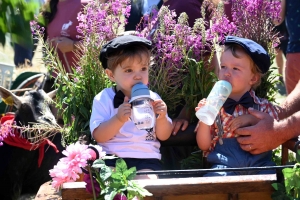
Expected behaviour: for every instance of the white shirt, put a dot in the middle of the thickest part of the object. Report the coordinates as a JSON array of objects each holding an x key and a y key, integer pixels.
[{"x": 129, "y": 142}]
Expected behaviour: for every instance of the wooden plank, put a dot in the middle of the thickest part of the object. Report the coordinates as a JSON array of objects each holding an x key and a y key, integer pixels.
[
  {"x": 46, "y": 191},
  {"x": 75, "y": 190},
  {"x": 197, "y": 197},
  {"x": 211, "y": 187},
  {"x": 254, "y": 195}
]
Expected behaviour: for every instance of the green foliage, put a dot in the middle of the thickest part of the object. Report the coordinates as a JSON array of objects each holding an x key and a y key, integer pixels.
[
  {"x": 194, "y": 161},
  {"x": 77, "y": 90},
  {"x": 117, "y": 181},
  {"x": 15, "y": 17},
  {"x": 267, "y": 89},
  {"x": 197, "y": 83},
  {"x": 290, "y": 190},
  {"x": 276, "y": 157},
  {"x": 168, "y": 88}
]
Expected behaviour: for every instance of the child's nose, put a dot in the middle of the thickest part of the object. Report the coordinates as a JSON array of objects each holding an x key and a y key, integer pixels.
[
  {"x": 227, "y": 72},
  {"x": 137, "y": 76}
]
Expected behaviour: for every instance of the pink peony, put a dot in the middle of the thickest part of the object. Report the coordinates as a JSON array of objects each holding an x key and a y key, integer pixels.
[{"x": 68, "y": 168}]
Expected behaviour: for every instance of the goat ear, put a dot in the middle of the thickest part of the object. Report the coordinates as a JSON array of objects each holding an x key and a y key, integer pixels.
[
  {"x": 52, "y": 94},
  {"x": 10, "y": 98}
]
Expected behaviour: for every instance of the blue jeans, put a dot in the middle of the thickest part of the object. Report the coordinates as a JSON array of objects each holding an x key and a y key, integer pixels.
[{"x": 230, "y": 155}]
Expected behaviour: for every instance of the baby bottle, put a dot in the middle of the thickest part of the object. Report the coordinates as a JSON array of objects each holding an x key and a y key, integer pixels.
[
  {"x": 142, "y": 114},
  {"x": 215, "y": 100}
]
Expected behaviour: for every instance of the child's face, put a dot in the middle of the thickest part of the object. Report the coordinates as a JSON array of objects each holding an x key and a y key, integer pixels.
[
  {"x": 238, "y": 72},
  {"x": 130, "y": 72}
]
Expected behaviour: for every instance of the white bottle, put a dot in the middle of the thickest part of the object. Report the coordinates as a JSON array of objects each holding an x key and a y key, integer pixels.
[
  {"x": 215, "y": 100},
  {"x": 142, "y": 113}
]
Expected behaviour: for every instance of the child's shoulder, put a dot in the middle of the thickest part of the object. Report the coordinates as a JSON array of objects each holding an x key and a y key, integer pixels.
[{"x": 259, "y": 100}]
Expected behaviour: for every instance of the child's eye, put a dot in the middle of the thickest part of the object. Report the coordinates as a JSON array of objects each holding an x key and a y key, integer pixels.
[
  {"x": 144, "y": 68},
  {"x": 128, "y": 70},
  {"x": 236, "y": 68},
  {"x": 222, "y": 67}
]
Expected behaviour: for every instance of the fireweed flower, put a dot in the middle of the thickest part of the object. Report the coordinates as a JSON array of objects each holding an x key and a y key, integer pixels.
[
  {"x": 174, "y": 43},
  {"x": 254, "y": 20},
  {"x": 101, "y": 21}
]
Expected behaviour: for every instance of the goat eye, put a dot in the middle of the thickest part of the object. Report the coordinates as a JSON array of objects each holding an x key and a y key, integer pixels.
[{"x": 47, "y": 119}]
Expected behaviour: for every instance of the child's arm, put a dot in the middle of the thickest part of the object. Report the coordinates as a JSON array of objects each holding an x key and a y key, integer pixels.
[
  {"x": 163, "y": 127},
  {"x": 107, "y": 130},
  {"x": 203, "y": 131}
]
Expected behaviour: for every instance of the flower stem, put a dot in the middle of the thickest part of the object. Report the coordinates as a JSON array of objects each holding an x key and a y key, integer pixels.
[{"x": 92, "y": 182}]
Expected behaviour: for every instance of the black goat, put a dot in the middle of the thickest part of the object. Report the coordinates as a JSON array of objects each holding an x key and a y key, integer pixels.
[{"x": 20, "y": 172}]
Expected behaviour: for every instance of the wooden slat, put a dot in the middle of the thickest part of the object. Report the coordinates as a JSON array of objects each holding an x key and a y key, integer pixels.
[
  {"x": 285, "y": 147},
  {"x": 46, "y": 191},
  {"x": 209, "y": 185},
  {"x": 177, "y": 188},
  {"x": 75, "y": 190}
]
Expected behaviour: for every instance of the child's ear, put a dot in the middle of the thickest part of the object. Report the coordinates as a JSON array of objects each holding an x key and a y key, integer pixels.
[
  {"x": 254, "y": 79},
  {"x": 110, "y": 74}
]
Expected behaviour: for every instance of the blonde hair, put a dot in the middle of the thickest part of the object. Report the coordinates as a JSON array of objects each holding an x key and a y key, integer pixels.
[{"x": 254, "y": 68}]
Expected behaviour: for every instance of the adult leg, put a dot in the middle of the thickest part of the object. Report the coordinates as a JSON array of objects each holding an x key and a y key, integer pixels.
[
  {"x": 21, "y": 55},
  {"x": 292, "y": 71},
  {"x": 280, "y": 62}
]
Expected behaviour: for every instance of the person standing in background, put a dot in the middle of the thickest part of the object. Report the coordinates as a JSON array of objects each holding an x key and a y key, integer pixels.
[
  {"x": 290, "y": 13},
  {"x": 140, "y": 8},
  {"x": 61, "y": 30},
  {"x": 281, "y": 48},
  {"x": 23, "y": 53}
]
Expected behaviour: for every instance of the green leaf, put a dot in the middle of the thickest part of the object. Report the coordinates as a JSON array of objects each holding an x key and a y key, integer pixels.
[
  {"x": 275, "y": 186},
  {"x": 105, "y": 173},
  {"x": 85, "y": 112},
  {"x": 130, "y": 173},
  {"x": 99, "y": 163},
  {"x": 135, "y": 187},
  {"x": 110, "y": 195},
  {"x": 288, "y": 172},
  {"x": 117, "y": 176},
  {"x": 117, "y": 185},
  {"x": 121, "y": 166}
]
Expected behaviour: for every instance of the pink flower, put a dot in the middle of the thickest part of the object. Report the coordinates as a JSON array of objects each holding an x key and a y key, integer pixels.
[{"x": 68, "y": 168}]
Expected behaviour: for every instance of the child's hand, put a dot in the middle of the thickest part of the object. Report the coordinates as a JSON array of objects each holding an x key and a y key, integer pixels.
[
  {"x": 124, "y": 111},
  {"x": 200, "y": 105},
  {"x": 160, "y": 108},
  {"x": 242, "y": 121}
]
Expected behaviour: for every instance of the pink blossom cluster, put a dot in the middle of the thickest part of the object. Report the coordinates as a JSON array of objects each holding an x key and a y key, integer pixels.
[
  {"x": 254, "y": 20},
  {"x": 36, "y": 29},
  {"x": 68, "y": 168},
  {"x": 101, "y": 21}
]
